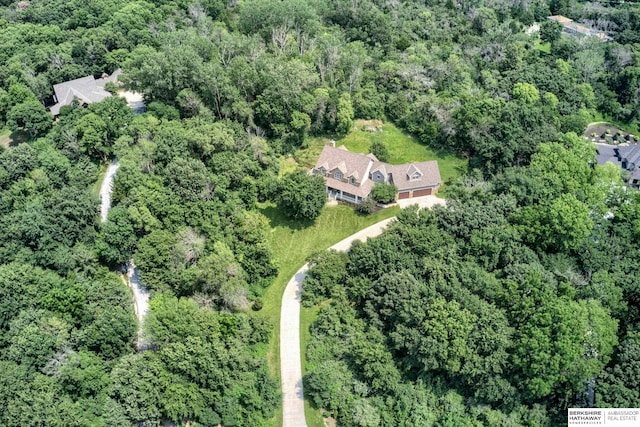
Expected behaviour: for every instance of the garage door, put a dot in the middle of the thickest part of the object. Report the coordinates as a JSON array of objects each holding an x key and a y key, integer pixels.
[
  {"x": 425, "y": 192},
  {"x": 403, "y": 195}
]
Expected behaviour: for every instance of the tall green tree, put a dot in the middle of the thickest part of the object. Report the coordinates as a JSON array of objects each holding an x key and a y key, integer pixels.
[{"x": 301, "y": 196}]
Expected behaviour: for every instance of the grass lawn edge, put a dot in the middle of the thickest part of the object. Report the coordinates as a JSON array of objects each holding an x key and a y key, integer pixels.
[{"x": 292, "y": 246}]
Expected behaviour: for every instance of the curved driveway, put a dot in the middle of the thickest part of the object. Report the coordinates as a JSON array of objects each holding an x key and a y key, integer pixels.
[{"x": 290, "y": 366}]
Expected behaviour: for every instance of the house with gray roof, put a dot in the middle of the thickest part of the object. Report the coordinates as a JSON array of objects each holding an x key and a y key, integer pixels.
[
  {"x": 351, "y": 176},
  {"x": 86, "y": 90},
  {"x": 625, "y": 156}
]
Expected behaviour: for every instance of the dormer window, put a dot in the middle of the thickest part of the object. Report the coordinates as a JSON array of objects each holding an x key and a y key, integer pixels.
[
  {"x": 352, "y": 180},
  {"x": 322, "y": 171},
  {"x": 416, "y": 176},
  {"x": 337, "y": 175}
]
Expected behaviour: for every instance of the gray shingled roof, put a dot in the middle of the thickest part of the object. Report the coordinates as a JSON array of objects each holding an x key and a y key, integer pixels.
[
  {"x": 616, "y": 154},
  {"x": 343, "y": 159},
  {"x": 86, "y": 89},
  {"x": 607, "y": 153},
  {"x": 357, "y": 190},
  {"x": 631, "y": 153}
]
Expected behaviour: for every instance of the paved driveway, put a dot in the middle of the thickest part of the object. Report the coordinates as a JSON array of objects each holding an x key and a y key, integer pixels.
[
  {"x": 290, "y": 367},
  {"x": 291, "y": 370},
  {"x": 422, "y": 202}
]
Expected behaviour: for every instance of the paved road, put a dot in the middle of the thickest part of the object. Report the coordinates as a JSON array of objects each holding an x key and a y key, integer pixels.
[{"x": 290, "y": 365}]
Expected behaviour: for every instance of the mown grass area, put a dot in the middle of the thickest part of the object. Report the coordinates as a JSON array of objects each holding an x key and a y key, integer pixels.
[
  {"x": 292, "y": 243},
  {"x": 403, "y": 148},
  {"x": 95, "y": 189},
  {"x": 543, "y": 47},
  {"x": 10, "y": 139}
]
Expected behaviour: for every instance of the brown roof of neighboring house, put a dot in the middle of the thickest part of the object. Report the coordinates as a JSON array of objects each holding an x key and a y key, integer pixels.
[{"x": 570, "y": 24}]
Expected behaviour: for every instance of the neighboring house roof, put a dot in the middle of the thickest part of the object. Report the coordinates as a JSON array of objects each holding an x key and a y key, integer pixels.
[
  {"x": 607, "y": 153},
  {"x": 360, "y": 166},
  {"x": 573, "y": 27},
  {"x": 86, "y": 89},
  {"x": 630, "y": 154}
]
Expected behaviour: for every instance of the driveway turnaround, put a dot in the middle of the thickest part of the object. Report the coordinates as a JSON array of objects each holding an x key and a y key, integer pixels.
[{"x": 290, "y": 364}]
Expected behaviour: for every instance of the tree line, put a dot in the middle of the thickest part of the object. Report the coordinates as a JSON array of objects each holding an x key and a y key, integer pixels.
[
  {"x": 229, "y": 88},
  {"x": 516, "y": 301}
]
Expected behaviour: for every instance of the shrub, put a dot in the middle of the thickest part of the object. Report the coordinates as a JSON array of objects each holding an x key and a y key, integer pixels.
[
  {"x": 366, "y": 206},
  {"x": 380, "y": 150},
  {"x": 257, "y": 304},
  {"x": 384, "y": 193}
]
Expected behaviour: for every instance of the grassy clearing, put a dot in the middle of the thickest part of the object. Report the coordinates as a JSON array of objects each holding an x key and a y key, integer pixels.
[
  {"x": 403, "y": 148},
  {"x": 95, "y": 189},
  {"x": 543, "y": 47},
  {"x": 10, "y": 139},
  {"x": 292, "y": 243}
]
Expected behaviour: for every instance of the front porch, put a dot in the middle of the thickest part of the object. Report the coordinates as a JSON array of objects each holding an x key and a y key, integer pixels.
[{"x": 343, "y": 195}]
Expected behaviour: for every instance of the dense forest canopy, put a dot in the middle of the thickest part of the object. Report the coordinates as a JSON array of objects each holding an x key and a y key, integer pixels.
[{"x": 516, "y": 301}]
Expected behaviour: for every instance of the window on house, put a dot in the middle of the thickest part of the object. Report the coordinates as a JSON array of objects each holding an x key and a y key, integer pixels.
[
  {"x": 416, "y": 176},
  {"x": 337, "y": 175},
  {"x": 352, "y": 180}
]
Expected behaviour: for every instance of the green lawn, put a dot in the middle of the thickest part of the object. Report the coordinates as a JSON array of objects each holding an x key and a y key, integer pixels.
[
  {"x": 403, "y": 148},
  {"x": 10, "y": 139},
  {"x": 292, "y": 244},
  {"x": 543, "y": 47},
  {"x": 95, "y": 189}
]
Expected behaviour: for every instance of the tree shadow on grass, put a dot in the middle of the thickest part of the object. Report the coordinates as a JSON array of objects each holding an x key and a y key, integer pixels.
[
  {"x": 277, "y": 218},
  {"x": 14, "y": 138}
]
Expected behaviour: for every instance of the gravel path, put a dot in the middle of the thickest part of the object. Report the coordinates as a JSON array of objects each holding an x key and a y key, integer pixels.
[
  {"x": 291, "y": 369},
  {"x": 105, "y": 190},
  {"x": 140, "y": 293}
]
